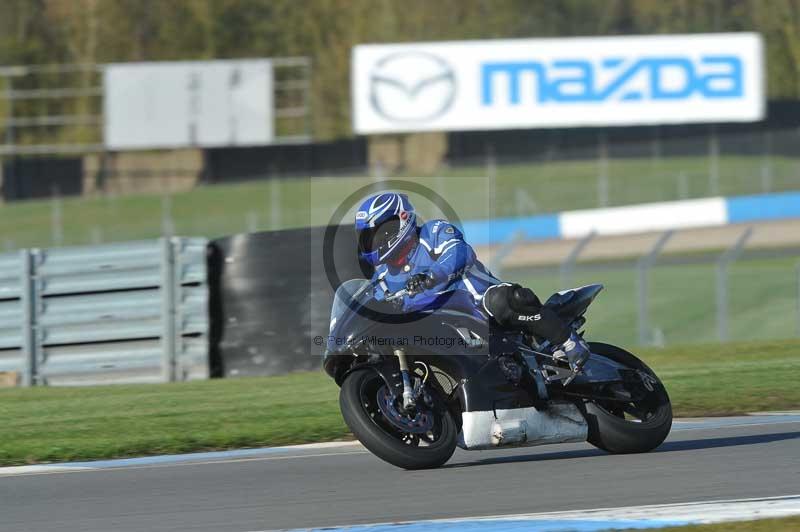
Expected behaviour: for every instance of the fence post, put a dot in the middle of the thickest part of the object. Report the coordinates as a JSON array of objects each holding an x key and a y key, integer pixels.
[
  {"x": 567, "y": 267},
  {"x": 602, "y": 171},
  {"x": 274, "y": 204},
  {"x": 655, "y": 147},
  {"x": 683, "y": 185},
  {"x": 491, "y": 176},
  {"x": 168, "y": 313},
  {"x": 643, "y": 266},
  {"x": 730, "y": 255},
  {"x": 28, "y": 302},
  {"x": 56, "y": 219},
  {"x": 766, "y": 163},
  {"x": 167, "y": 224},
  {"x": 797, "y": 269},
  {"x": 713, "y": 162},
  {"x": 96, "y": 235},
  {"x": 505, "y": 249},
  {"x": 252, "y": 221}
]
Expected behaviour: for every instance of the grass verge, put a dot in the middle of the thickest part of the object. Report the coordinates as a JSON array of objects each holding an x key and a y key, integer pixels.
[
  {"x": 59, "y": 424},
  {"x": 762, "y": 525},
  {"x": 520, "y": 189}
]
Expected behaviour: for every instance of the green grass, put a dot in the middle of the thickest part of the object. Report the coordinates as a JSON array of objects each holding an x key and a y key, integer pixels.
[
  {"x": 763, "y": 300},
  {"x": 727, "y": 379},
  {"x": 787, "y": 524},
  {"x": 57, "y": 424},
  {"x": 520, "y": 189}
]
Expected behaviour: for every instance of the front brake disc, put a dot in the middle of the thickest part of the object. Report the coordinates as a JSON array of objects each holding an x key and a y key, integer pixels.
[{"x": 420, "y": 423}]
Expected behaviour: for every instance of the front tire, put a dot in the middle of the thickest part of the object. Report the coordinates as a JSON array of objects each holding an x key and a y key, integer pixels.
[
  {"x": 610, "y": 425},
  {"x": 357, "y": 400}
]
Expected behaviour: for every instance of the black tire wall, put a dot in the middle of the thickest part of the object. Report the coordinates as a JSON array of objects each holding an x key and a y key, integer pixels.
[{"x": 270, "y": 296}]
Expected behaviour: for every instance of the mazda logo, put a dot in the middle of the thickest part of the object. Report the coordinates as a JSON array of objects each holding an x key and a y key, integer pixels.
[{"x": 412, "y": 87}]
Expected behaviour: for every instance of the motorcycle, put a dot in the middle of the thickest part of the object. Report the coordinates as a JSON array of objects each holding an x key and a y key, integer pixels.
[{"x": 413, "y": 386}]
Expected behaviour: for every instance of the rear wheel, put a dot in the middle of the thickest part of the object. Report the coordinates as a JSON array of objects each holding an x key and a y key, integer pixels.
[
  {"x": 423, "y": 439},
  {"x": 637, "y": 425}
]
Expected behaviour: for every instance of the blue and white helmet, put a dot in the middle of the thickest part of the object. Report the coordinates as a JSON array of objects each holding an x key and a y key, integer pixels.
[{"x": 385, "y": 223}]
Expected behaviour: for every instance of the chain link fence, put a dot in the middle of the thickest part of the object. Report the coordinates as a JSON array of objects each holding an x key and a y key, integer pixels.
[{"x": 664, "y": 294}]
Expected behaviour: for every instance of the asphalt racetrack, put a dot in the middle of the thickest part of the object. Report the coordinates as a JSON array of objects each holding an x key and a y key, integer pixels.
[{"x": 725, "y": 458}]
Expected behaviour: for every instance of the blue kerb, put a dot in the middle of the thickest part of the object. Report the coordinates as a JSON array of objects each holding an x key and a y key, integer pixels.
[
  {"x": 763, "y": 207},
  {"x": 499, "y": 230}
]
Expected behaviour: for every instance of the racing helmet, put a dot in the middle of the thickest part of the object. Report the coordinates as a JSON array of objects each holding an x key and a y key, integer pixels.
[{"x": 385, "y": 224}]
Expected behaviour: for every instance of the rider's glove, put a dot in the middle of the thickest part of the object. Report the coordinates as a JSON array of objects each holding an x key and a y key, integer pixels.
[{"x": 419, "y": 282}]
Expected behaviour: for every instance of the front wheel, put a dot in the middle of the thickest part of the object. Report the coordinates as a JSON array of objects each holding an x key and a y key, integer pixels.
[
  {"x": 636, "y": 426},
  {"x": 422, "y": 440}
]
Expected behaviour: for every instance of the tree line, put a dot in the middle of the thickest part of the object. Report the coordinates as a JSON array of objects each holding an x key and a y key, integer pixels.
[{"x": 100, "y": 31}]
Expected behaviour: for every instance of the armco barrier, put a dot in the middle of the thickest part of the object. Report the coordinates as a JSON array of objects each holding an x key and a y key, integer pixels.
[
  {"x": 132, "y": 312},
  {"x": 271, "y": 297}
]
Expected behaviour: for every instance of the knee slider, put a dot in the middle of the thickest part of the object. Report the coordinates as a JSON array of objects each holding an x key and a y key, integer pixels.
[{"x": 496, "y": 301}]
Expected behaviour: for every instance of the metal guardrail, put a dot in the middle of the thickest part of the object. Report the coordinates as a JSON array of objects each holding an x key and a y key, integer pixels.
[{"x": 132, "y": 312}]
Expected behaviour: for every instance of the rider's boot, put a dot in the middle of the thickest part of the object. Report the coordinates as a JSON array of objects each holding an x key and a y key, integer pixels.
[{"x": 574, "y": 351}]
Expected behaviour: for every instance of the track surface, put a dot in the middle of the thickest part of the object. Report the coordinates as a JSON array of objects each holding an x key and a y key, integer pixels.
[{"x": 346, "y": 485}]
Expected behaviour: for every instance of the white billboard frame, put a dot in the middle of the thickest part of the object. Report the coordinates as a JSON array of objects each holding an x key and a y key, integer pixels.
[
  {"x": 563, "y": 82},
  {"x": 180, "y": 104}
]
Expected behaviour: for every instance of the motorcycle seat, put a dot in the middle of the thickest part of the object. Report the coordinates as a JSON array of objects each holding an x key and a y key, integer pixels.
[{"x": 574, "y": 302}]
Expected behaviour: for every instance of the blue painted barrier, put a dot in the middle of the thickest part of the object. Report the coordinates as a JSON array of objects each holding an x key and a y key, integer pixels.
[{"x": 739, "y": 209}]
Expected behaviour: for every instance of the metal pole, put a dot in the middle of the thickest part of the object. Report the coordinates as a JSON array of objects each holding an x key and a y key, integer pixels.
[
  {"x": 524, "y": 203},
  {"x": 683, "y": 185},
  {"x": 167, "y": 225},
  {"x": 643, "y": 292},
  {"x": 643, "y": 266},
  {"x": 28, "y": 302},
  {"x": 491, "y": 176},
  {"x": 274, "y": 204},
  {"x": 9, "y": 113},
  {"x": 439, "y": 186},
  {"x": 655, "y": 147},
  {"x": 56, "y": 219},
  {"x": 252, "y": 221},
  {"x": 96, "y": 235},
  {"x": 9, "y": 134},
  {"x": 730, "y": 255},
  {"x": 602, "y": 171},
  {"x": 797, "y": 269},
  {"x": 505, "y": 249},
  {"x": 766, "y": 163},
  {"x": 168, "y": 310},
  {"x": 713, "y": 162},
  {"x": 567, "y": 267}
]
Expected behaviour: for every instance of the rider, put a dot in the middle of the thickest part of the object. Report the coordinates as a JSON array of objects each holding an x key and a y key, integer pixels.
[{"x": 434, "y": 258}]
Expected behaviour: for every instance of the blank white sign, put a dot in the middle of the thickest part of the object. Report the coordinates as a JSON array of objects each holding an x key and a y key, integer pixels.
[{"x": 188, "y": 103}]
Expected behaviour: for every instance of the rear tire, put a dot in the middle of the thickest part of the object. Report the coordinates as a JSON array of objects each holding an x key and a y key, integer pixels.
[
  {"x": 617, "y": 435},
  {"x": 387, "y": 446}
]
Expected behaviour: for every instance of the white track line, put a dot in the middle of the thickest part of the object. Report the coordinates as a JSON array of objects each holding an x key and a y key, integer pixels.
[{"x": 649, "y": 516}]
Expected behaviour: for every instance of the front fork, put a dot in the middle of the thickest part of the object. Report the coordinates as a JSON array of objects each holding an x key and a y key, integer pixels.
[{"x": 409, "y": 400}]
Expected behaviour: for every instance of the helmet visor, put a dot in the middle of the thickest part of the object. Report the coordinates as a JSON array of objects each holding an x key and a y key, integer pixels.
[{"x": 379, "y": 239}]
